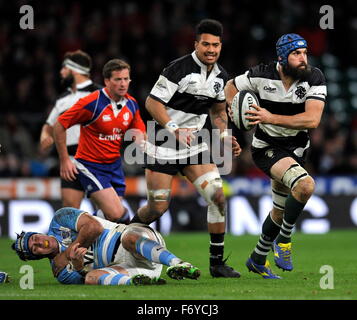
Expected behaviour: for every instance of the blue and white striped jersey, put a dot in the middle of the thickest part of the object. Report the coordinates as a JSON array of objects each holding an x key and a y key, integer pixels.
[{"x": 64, "y": 228}]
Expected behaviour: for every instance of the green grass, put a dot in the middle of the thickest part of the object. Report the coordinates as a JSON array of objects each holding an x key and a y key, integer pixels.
[{"x": 310, "y": 252}]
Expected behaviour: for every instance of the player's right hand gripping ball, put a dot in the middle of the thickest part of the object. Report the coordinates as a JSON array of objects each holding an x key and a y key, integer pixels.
[{"x": 241, "y": 103}]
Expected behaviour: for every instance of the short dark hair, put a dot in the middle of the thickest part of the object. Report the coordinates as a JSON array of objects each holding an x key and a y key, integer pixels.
[
  {"x": 80, "y": 57},
  {"x": 114, "y": 65},
  {"x": 210, "y": 26}
]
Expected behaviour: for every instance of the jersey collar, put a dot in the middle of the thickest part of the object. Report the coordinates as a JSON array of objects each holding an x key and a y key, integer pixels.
[
  {"x": 215, "y": 70},
  {"x": 122, "y": 102}
]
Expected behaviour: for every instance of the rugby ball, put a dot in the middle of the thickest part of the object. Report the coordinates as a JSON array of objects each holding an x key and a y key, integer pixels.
[{"x": 241, "y": 103}]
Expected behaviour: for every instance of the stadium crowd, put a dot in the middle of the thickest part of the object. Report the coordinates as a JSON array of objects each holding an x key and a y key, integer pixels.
[{"x": 149, "y": 35}]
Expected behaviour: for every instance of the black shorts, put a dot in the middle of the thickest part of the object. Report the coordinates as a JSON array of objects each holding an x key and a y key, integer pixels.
[
  {"x": 76, "y": 184},
  {"x": 172, "y": 167},
  {"x": 265, "y": 158}
]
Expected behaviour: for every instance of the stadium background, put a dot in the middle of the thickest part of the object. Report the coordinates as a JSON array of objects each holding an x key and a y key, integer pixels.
[{"x": 149, "y": 35}]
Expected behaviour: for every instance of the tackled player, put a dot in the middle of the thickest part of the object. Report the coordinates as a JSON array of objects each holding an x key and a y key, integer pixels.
[{"x": 84, "y": 249}]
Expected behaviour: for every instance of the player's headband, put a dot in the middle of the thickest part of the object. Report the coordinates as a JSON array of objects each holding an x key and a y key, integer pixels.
[
  {"x": 21, "y": 246},
  {"x": 75, "y": 66},
  {"x": 288, "y": 43}
]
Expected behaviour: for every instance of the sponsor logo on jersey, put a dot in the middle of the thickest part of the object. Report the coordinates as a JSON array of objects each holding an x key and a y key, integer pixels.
[
  {"x": 160, "y": 85},
  {"x": 107, "y": 118},
  {"x": 117, "y": 135},
  {"x": 269, "y": 89}
]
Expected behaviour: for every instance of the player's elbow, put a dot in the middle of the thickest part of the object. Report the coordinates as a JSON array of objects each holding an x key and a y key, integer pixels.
[
  {"x": 58, "y": 128},
  {"x": 314, "y": 124}
]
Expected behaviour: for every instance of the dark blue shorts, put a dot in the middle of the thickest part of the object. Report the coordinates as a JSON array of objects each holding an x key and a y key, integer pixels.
[{"x": 98, "y": 176}]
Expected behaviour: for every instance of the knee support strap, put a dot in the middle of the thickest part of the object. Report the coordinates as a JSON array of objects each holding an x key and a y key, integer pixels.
[
  {"x": 159, "y": 195},
  {"x": 293, "y": 175},
  {"x": 207, "y": 185}
]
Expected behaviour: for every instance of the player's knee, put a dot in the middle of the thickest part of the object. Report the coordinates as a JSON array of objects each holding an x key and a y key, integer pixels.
[
  {"x": 114, "y": 216},
  {"x": 210, "y": 187},
  {"x": 70, "y": 203},
  {"x": 304, "y": 188},
  {"x": 129, "y": 240}
]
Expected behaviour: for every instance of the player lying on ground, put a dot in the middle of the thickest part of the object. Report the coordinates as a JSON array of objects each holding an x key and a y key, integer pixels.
[{"x": 89, "y": 250}]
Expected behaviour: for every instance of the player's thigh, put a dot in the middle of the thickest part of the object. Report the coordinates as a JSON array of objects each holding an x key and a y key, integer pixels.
[
  {"x": 107, "y": 200},
  {"x": 192, "y": 172},
  {"x": 279, "y": 168},
  {"x": 71, "y": 197}
]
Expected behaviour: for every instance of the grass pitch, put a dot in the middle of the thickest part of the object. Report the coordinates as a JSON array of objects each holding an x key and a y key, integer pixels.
[{"x": 311, "y": 253}]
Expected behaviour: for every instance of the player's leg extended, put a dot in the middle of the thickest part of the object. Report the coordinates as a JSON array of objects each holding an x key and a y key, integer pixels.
[
  {"x": 158, "y": 197},
  {"x": 145, "y": 243},
  {"x": 271, "y": 224},
  {"x": 301, "y": 184},
  {"x": 117, "y": 275},
  {"x": 257, "y": 261},
  {"x": 208, "y": 183}
]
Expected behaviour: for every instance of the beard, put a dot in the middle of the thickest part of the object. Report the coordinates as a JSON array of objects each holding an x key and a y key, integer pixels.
[
  {"x": 67, "y": 81},
  {"x": 297, "y": 73}
]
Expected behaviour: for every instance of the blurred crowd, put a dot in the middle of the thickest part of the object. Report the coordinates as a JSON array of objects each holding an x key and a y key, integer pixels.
[{"x": 149, "y": 34}]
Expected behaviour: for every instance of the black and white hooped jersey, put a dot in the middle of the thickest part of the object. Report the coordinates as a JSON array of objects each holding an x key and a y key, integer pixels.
[
  {"x": 67, "y": 100},
  {"x": 188, "y": 92},
  {"x": 265, "y": 81}
]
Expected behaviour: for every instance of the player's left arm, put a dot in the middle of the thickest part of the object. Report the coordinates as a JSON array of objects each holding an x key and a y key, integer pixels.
[{"x": 309, "y": 119}]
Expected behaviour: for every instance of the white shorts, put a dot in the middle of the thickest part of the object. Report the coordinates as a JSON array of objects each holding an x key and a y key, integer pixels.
[{"x": 136, "y": 264}]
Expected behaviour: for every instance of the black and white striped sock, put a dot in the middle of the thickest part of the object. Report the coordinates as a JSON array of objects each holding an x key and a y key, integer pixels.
[
  {"x": 293, "y": 209},
  {"x": 270, "y": 230},
  {"x": 285, "y": 232}
]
